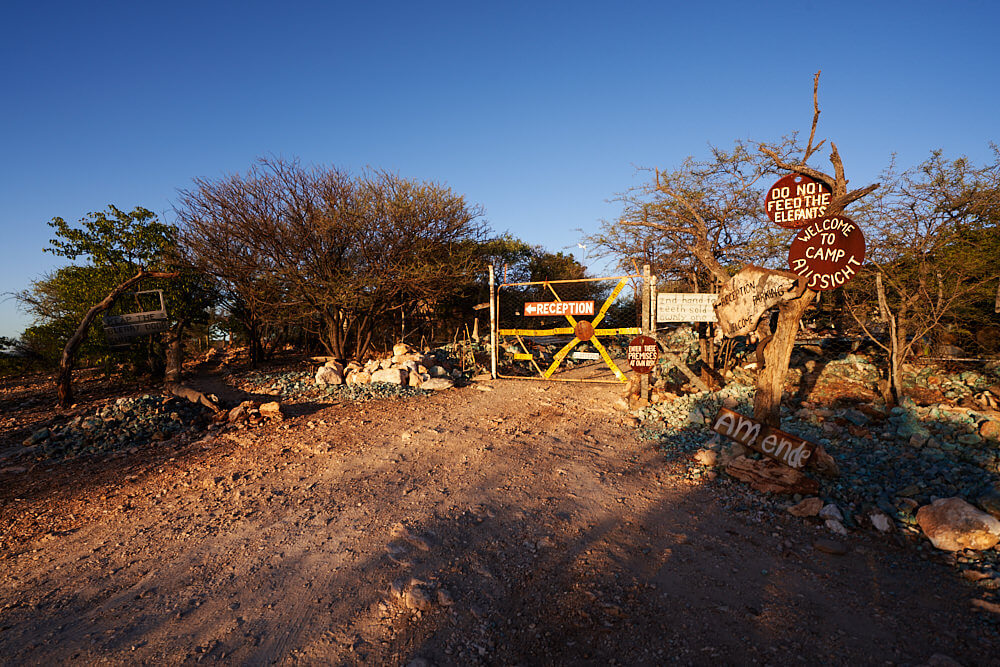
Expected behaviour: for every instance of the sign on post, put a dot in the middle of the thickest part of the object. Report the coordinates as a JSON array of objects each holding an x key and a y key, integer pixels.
[
  {"x": 783, "y": 447},
  {"x": 572, "y": 308},
  {"x": 642, "y": 354},
  {"x": 796, "y": 200},
  {"x": 748, "y": 294},
  {"x": 827, "y": 252},
  {"x": 679, "y": 307}
]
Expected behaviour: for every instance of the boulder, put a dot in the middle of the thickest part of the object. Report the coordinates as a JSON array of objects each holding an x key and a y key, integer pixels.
[
  {"x": 769, "y": 476},
  {"x": 359, "y": 377},
  {"x": 437, "y": 371},
  {"x": 271, "y": 411},
  {"x": 391, "y": 376},
  {"x": 808, "y": 507},
  {"x": 706, "y": 457},
  {"x": 401, "y": 348},
  {"x": 241, "y": 412},
  {"x": 952, "y": 524},
  {"x": 327, "y": 375},
  {"x": 437, "y": 384},
  {"x": 990, "y": 430},
  {"x": 414, "y": 379}
]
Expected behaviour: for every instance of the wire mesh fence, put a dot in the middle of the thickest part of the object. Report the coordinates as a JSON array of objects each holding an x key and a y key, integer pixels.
[{"x": 571, "y": 330}]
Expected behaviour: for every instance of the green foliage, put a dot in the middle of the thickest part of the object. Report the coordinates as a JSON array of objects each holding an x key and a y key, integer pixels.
[
  {"x": 115, "y": 246},
  {"x": 116, "y": 239}
]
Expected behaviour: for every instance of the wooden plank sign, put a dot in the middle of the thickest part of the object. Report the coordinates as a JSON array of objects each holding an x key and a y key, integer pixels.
[
  {"x": 748, "y": 294},
  {"x": 786, "y": 448},
  {"x": 681, "y": 307}
]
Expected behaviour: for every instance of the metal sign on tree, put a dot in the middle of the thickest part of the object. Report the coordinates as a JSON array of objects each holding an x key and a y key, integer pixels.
[
  {"x": 827, "y": 252},
  {"x": 796, "y": 200}
]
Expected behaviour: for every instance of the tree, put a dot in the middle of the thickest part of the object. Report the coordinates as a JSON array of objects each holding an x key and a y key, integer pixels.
[
  {"x": 709, "y": 213},
  {"x": 122, "y": 249},
  {"x": 333, "y": 253},
  {"x": 934, "y": 249}
]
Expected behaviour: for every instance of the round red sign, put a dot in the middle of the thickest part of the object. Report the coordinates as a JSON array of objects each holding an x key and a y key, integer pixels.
[
  {"x": 796, "y": 200},
  {"x": 642, "y": 354},
  {"x": 828, "y": 252}
]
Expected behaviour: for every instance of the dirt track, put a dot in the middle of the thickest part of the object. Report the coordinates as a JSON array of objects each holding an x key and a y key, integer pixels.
[{"x": 527, "y": 521}]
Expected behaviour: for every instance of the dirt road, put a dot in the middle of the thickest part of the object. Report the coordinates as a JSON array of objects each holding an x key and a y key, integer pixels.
[{"x": 504, "y": 523}]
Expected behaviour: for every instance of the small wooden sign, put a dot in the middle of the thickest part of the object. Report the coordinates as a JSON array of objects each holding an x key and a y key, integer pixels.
[
  {"x": 796, "y": 200},
  {"x": 748, "y": 294},
  {"x": 681, "y": 307},
  {"x": 642, "y": 354},
  {"x": 786, "y": 448},
  {"x": 828, "y": 252}
]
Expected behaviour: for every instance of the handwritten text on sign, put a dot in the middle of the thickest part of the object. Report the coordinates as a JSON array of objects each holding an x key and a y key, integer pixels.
[
  {"x": 796, "y": 200},
  {"x": 784, "y": 447},
  {"x": 747, "y": 295},
  {"x": 680, "y": 307},
  {"x": 559, "y": 308},
  {"x": 828, "y": 252}
]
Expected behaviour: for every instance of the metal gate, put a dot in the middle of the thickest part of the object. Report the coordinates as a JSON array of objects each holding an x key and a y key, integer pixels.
[{"x": 566, "y": 330}]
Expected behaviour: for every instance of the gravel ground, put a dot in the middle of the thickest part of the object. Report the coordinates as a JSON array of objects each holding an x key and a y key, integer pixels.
[{"x": 506, "y": 522}]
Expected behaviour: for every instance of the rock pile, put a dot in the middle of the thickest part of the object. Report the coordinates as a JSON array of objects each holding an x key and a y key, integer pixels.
[
  {"x": 406, "y": 367},
  {"x": 121, "y": 425}
]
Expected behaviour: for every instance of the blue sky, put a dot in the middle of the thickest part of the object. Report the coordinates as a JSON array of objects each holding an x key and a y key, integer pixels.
[{"x": 540, "y": 112}]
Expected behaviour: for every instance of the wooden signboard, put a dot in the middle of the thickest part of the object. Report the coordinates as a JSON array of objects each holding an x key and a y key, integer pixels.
[
  {"x": 778, "y": 445},
  {"x": 642, "y": 354},
  {"x": 680, "y": 307},
  {"x": 827, "y": 252},
  {"x": 748, "y": 294},
  {"x": 796, "y": 200}
]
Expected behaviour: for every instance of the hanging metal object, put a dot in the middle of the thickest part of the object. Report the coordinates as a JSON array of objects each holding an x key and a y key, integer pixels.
[{"x": 121, "y": 329}]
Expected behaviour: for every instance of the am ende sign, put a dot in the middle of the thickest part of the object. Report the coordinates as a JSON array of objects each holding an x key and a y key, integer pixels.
[{"x": 783, "y": 447}]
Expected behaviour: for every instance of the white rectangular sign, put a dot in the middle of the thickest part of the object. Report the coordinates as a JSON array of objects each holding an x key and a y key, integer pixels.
[
  {"x": 680, "y": 307},
  {"x": 587, "y": 356}
]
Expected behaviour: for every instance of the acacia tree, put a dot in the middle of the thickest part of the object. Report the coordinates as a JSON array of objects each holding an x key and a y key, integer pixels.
[
  {"x": 934, "y": 251},
  {"x": 331, "y": 252},
  {"x": 122, "y": 249},
  {"x": 710, "y": 214}
]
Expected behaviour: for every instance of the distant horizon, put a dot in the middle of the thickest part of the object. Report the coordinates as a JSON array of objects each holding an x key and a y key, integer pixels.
[{"x": 539, "y": 114}]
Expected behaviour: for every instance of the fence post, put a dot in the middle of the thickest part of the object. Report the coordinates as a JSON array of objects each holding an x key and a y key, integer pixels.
[
  {"x": 644, "y": 329},
  {"x": 493, "y": 325}
]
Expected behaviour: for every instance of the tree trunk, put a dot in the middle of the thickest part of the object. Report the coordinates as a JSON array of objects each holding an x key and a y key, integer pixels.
[
  {"x": 771, "y": 380},
  {"x": 175, "y": 356},
  {"x": 64, "y": 380}
]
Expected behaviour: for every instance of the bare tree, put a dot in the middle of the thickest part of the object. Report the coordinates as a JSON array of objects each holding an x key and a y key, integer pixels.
[
  {"x": 934, "y": 249},
  {"x": 329, "y": 251}
]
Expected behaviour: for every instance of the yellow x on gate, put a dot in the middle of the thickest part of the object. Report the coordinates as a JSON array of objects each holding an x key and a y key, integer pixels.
[{"x": 582, "y": 331}]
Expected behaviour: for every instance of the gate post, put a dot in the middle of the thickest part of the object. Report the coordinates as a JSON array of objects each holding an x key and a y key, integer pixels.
[
  {"x": 644, "y": 329},
  {"x": 493, "y": 325}
]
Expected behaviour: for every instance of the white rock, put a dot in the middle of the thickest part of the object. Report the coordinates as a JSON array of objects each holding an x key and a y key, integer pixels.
[
  {"x": 401, "y": 348},
  {"x": 835, "y": 526},
  {"x": 952, "y": 524},
  {"x": 831, "y": 511},
  {"x": 391, "y": 376},
  {"x": 414, "y": 379},
  {"x": 359, "y": 377},
  {"x": 882, "y": 523},
  {"x": 437, "y": 384},
  {"x": 329, "y": 375},
  {"x": 437, "y": 372}
]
